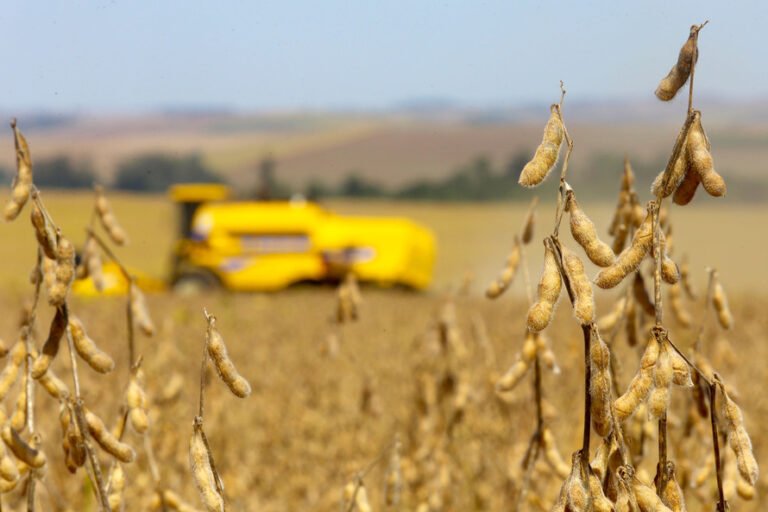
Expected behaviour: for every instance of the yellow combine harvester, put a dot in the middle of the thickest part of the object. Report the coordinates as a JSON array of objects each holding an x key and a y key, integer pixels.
[{"x": 269, "y": 245}]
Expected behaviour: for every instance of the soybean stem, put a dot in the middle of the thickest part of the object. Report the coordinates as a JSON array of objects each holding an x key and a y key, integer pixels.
[{"x": 722, "y": 505}]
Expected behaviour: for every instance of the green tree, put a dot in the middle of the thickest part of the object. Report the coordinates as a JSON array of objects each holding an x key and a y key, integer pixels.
[
  {"x": 157, "y": 172},
  {"x": 357, "y": 186},
  {"x": 61, "y": 172}
]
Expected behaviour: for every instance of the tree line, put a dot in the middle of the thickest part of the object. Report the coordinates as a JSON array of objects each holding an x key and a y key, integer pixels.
[
  {"x": 477, "y": 180},
  {"x": 146, "y": 173}
]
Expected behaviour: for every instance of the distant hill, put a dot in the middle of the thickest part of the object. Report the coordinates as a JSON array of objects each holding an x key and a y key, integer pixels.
[{"x": 415, "y": 141}]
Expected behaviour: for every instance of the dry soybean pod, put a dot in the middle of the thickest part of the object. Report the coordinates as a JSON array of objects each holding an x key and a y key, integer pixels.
[
  {"x": 599, "y": 502},
  {"x": 641, "y": 383},
  {"x": 65, "y": 271},
  {"x": 575, "y": 488},
  {"x": 91, "y": 266},
  {"x": 584, "y": 302},
  {"x": 647, "y": 499},
  {"x": 685, "y": 277},
  {"x": 530, "y": 222},
  {"x": 738, "y": 439},
  {"x": 22, "y": 183},
  {"x": 585, "y": 234},
  {"x": 687, "y": 188},
  {"x": 600, "y": 384},
  {"x": 109, "y": 443},
  {"x": 619, "y": 215},
  {"x": 137, "y": 402},
  {"x": 51, "y": 345},
  {"x": 54, "y": 386},
  {"x": 116, "y": 487},
  {"x": 545, "y": 158},
  {"x": 21, "y": 450},
  {"x": 140, "y": 311},
  {"x": 672, "y": 495},
  {"x": 745, "y": 490},
  {"x": 44, "y": 231},
  {"x": 608, "y": 321},
  {"x": 669, "y": 271},
  {"x": 8, "y": 470},
  {"x": 87, "y": 348},
  {"x": 512, "y": 376},
  {"x": 11, "y": 371},
  {"x": 701, "y": 159},
  {"x": 19, "y": 417},
  {"x": 171, "y": 500},
  {"x": 680, "y": 72},
  {"x": 552, "y": 454},
  {"x": 507, "y": 275},
  {"x": 658, "y": 401},
  {"x": 630, "y": 258},
  {"x": 202, "y": 472},
  {"x": 681, "y": 372},
  {"x": 620, "y": 238},
  {"x": 107, "y": 217},
  {"x": 224, "y": 365},
  {"x": 550, "y": 286},
  {"x": 73, "y": 442},
  {"x": 546, "y": 355},
  {"x": 720, "y": 302}
]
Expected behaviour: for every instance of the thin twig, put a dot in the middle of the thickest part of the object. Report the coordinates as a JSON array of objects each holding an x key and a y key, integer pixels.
[
  {"x": 133, "y": 361},
  {"x": 364, "y": 472},
  {"x": 529, "y": 460},
  {"x": 27, "y": 332},
  {"x": 722, "y": 504},
  {"x": 110, "y": 254},
  {"x": 712, "y": 275},
  {"x": 693, "y": 64}
]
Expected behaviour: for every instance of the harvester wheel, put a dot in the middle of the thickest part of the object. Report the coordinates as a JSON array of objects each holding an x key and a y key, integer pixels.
[{"x": 194, "y": 283}]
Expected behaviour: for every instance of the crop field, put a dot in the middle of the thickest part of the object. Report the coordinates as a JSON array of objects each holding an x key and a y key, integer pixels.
[{"x": 315, "y": 420}]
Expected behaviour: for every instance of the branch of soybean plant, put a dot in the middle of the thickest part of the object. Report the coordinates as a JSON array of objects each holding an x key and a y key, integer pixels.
[
  {"x": 722, "y": 504},
  {"x": 101, "y": 495},
  {"x": 563, "y": 187},
  {"x": 203, "y": 366},
  {"x": 27, "y": 333},
  {"x": 564, "y": 168},
  {"x": 696, "y": 30},
  {"x": 657, "y": 257}
]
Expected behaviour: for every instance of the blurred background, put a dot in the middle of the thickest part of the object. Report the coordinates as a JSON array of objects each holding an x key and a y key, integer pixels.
[{"x": 427, "y": 110}]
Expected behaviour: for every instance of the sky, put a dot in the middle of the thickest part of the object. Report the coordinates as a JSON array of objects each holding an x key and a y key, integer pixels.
[{"x": 120, "y": 56}]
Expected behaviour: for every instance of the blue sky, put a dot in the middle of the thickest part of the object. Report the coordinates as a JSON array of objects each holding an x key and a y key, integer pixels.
[{"x": 95, "y": 56}]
